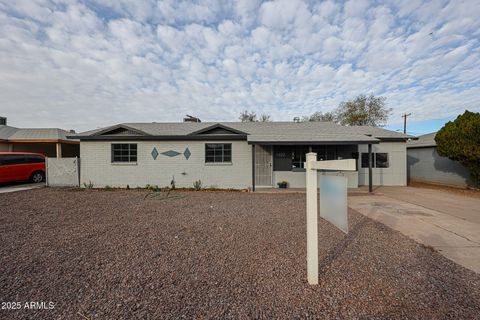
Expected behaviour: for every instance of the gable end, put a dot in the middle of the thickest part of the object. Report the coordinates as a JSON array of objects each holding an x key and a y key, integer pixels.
[{"x": 218, "y": 129}]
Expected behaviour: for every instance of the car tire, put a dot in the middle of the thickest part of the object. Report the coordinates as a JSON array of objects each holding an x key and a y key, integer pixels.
[{"x": 37, "y": 177}]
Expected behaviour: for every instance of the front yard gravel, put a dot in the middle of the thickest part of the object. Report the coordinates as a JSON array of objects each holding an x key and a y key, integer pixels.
[{"x": 116, "y": 255}]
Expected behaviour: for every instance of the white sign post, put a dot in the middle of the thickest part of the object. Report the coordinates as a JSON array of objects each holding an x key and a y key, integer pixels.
[
  {"x": 311, "y": 166},
  {"x": 312, "y": 223}
]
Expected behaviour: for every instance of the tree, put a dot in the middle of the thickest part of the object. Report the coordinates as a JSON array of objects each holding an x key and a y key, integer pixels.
[
  {"x": 247, "y": 116},
  {"x": 319, "y": 116},
  {"x": 460, "y": 141},
  {"x": 363, "y": 111},
  {"x": 264, "y": 118}
]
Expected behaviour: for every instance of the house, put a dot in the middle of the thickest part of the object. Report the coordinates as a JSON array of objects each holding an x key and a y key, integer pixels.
[
  {"x": 235, "y": 154},
  {"x": 52, "y": 142},
  {"x": 426, "y": 165}
]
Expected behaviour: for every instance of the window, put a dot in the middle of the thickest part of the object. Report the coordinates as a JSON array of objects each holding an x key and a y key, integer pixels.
[
  {"x": 218, "y": 152},
  {"x": 380, "y": 160},
  {"x": 299, "y": 157},
  {"x": 365, "y": 160},
  {"x": 34, "y": 159},
  {"x": 124, "y": 152},
  {"x": 282, "y": 158},
  {"x": 11, "y": 159}
]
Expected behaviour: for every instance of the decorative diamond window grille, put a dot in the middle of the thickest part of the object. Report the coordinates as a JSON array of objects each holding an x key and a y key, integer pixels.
[
  {"x": 171, "y": 153},
  {"x": 154, "y": 153},
  {"x": 187, "y": 153}
]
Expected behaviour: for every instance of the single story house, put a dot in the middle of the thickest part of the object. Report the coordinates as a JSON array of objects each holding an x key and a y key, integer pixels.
[
  {"x": 236, "y": 154},
  {"x": 52, "y": 142},
  {"x": 426, "y": 165}
]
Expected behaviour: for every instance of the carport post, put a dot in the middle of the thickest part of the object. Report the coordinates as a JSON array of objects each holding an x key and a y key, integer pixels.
[
  {"x": 59, "y": 150},
  {"x": 312, "y": 216},
  {"x": 370, "y": 160}
]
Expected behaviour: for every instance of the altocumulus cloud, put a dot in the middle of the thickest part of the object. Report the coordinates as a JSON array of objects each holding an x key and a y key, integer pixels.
[{"x": 83, "y": 64}]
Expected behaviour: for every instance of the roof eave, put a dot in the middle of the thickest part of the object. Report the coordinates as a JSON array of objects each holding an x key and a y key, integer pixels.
[
  {"x": 286, "y": 142},
  {"x": 422, "y": 146}
]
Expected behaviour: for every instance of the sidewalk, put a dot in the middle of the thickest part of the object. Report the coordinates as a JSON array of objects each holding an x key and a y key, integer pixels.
[{"x": 20, "y": 187}]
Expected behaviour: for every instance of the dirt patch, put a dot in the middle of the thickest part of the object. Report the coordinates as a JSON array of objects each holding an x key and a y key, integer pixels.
[{"x": 117, "y": 255}]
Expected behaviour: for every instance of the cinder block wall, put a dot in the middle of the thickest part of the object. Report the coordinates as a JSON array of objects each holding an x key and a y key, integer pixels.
[
  {"x": 426, "y": 165},
  {"x": 395, "y": 174},
  {"x": 96, "y": 166}
]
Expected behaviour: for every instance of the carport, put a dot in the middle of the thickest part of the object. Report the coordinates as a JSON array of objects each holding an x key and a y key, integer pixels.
[{"x": 52, "y": 142}]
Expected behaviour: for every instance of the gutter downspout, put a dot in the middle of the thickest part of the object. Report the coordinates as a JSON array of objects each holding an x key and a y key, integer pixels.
[{"x": 253, "y": 167}]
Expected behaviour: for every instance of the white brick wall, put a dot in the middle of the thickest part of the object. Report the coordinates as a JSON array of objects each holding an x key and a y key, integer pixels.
[
  {"x": 395, "y": 174},
  {"x": 96, "y": 165}
]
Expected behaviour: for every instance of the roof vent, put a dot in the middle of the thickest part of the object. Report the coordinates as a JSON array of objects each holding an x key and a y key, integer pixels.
[
  {"x": 296, "y": 119},
  {"x": 190, "y": 118},
  {"x": 3, "y": 121}
]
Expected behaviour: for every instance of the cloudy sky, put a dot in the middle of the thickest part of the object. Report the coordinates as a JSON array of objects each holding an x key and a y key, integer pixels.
[{"x": 85, "y": 64}]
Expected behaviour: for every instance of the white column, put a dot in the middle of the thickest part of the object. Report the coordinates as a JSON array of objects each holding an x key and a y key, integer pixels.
[
  {"x": 10, "y": 147},
  {"x": 312, "y": 219},
  {"x": 59, "y": 150}
]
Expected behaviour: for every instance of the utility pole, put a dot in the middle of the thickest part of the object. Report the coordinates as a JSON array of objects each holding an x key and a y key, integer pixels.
[{"x": 404, "y": 116}]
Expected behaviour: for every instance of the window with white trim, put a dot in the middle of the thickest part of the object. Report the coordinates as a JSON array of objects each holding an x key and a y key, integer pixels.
[
  {"x": 218, "y": 152},
  {"x": 124, "y": 152}
]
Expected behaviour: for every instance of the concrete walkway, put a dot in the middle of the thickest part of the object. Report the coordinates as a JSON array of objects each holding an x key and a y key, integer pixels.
[
  {"x": 448, "y": 222},
  {"x": 20, "y": 187}
]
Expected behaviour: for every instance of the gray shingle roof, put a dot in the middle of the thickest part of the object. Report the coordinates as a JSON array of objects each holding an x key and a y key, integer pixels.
[
  {"x": 12, "y": 133},
  {"x": 426, "y": 140},
  {"x": 269, "y": 131}
]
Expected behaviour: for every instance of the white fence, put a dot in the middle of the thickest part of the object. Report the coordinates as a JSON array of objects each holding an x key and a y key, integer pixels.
[{"x": 63, "y": 172}]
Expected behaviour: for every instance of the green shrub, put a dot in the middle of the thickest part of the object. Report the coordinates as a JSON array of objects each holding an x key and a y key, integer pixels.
[
  {"x": 197, "y": 185},
  {"x": 459, "y": 140},
  {"x": 89, "y": 185}
]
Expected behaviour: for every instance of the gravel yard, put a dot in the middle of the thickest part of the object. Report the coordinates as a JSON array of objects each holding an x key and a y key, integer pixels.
[{"x": 116, "y": 255}]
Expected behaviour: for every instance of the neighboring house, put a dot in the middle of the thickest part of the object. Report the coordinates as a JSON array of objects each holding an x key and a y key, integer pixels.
[
  {"x": 221, "y": 154},
  {"x": 426, "y": 165},
  {"x": 52, "y": 142}
]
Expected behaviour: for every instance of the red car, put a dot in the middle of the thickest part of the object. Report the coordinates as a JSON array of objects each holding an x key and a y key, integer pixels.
[{"x": 22, "y": 166}]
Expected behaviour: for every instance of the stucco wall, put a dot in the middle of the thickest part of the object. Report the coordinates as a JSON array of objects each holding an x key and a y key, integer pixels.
[
  {"x": 395, "y": 174},
  {"x": 425, "y": 164},
  {"x": 297, "y": 179},
  {"x": 96, "y": 165}
]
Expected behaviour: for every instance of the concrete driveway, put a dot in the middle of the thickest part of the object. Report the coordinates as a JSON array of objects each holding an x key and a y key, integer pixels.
[
  {"x": 14, "y": 187},
  {"x": 448, "y": 222}
]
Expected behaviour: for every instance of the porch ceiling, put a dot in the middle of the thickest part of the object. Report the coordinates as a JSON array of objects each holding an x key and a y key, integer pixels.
[{"x": 310, "y": 139}]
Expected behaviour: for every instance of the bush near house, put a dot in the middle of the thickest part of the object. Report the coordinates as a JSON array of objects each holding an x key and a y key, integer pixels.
[{"x": 459, "y": 140}]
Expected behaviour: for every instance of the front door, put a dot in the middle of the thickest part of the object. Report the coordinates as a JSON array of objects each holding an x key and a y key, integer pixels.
[{"x": 263, "y": 166}]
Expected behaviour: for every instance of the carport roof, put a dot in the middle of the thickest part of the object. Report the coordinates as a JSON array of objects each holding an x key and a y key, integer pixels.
[
  {"x": 424, "y": 141},
  {"x": 13, "y": 134},
  {"x": 253, "y": 132}
]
